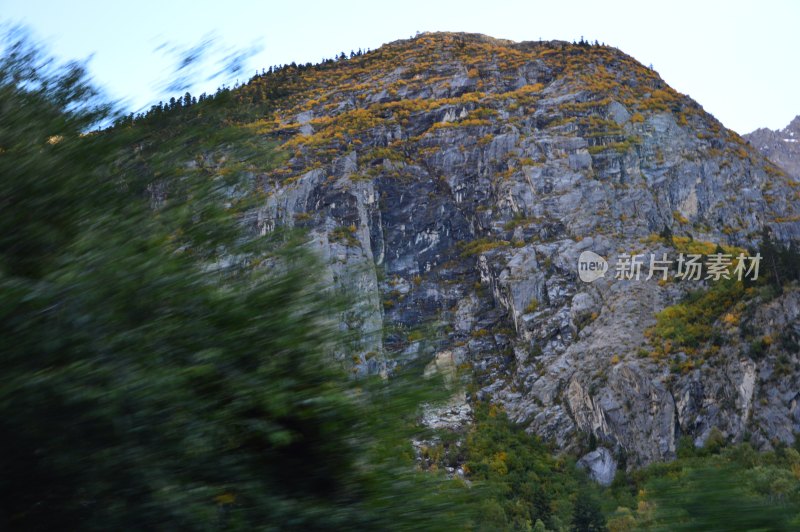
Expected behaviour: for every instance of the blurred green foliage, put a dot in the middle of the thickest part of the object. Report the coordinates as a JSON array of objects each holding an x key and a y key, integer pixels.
[
  {"x": 713, "y": 487},
  {"x": 722, "y": 488},
  {"x": 160, "y": 371}
]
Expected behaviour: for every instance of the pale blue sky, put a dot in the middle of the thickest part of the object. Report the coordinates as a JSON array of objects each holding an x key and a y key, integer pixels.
[{"x": 739, "y": 59}]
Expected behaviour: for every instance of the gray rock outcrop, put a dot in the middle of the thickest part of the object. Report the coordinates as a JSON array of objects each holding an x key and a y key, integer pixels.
[{"x": 600, "y": 465}]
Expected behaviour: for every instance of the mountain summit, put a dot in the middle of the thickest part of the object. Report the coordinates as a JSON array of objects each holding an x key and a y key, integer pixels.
[
  {"x": 781, "y": 147},
  {"x": 453, "y": 181}
]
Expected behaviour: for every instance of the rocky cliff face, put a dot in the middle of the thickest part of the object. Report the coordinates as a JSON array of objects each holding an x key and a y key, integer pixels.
[
  {"x": 781, "y": 147},
  {"x": 452, "y": 181}
]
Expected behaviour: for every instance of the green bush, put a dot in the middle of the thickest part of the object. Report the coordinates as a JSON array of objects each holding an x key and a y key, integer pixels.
[{"x": 690, "y": 323}]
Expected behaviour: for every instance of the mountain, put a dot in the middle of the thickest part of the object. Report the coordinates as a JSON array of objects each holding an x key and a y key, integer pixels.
[
  {"x": 451, "y": 181},
  {"x": 781, "y": 147}
]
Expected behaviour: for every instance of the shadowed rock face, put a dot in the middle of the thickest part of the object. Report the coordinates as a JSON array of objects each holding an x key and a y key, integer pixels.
[{"x": 452, "y": 181}]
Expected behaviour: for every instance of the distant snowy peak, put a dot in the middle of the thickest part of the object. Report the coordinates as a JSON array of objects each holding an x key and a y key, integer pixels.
[{"x": 781, "y": 147}]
